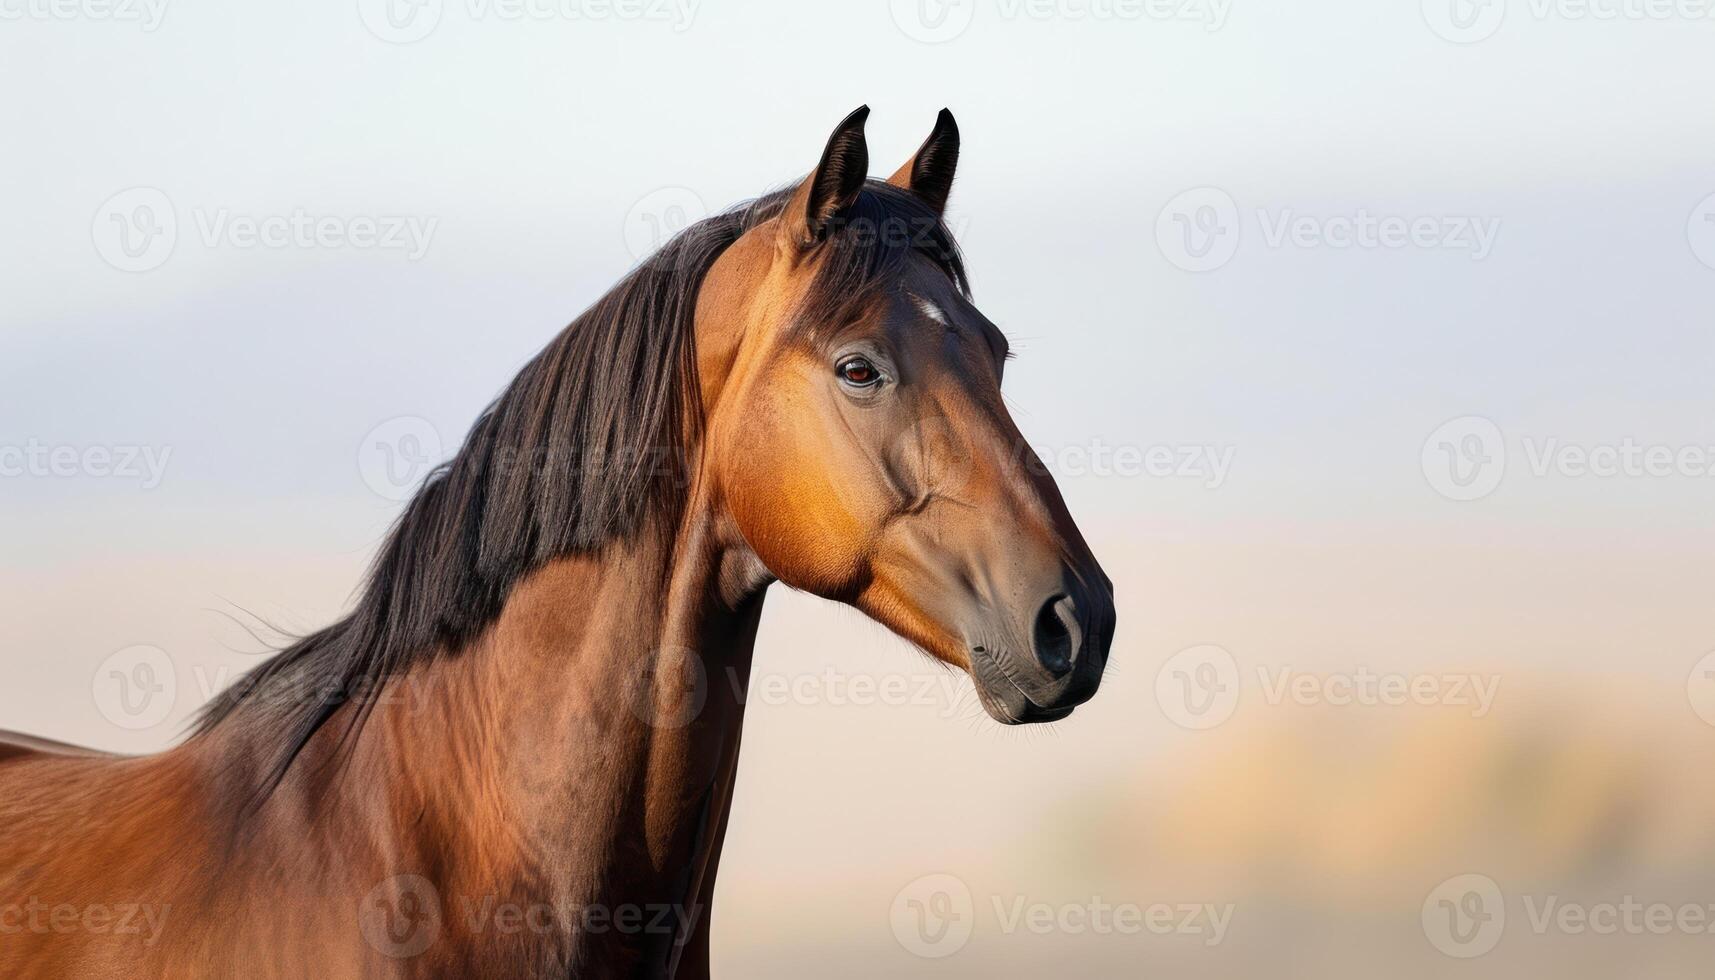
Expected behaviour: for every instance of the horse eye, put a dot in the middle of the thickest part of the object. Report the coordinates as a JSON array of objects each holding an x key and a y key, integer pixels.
[{"x": 859, "y": 372}]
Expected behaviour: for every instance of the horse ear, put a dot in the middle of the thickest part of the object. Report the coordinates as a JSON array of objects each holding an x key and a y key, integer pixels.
[
  {"x": 833, "y": 186},
  {"x": 929, "y": 174}
]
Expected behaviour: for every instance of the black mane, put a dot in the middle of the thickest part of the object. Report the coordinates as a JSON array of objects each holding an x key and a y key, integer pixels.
[{"x": 596, "y": 433}]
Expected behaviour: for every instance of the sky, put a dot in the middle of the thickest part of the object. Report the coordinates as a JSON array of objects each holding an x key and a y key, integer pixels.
[{"x": 1361, "y": 336}]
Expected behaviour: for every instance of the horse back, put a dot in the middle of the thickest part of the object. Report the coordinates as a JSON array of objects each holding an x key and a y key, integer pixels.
[{"x": 16, "y": 745}]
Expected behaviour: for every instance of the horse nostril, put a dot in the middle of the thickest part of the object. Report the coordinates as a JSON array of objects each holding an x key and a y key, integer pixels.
[{"x": 1056, "y": 635}]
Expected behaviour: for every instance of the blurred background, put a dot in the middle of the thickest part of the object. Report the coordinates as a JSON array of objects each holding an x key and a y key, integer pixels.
[{"x": 1370, "y": 343}]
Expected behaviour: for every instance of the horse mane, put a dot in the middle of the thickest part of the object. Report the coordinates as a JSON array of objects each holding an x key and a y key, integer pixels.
[{"x": 593, "y": 437}]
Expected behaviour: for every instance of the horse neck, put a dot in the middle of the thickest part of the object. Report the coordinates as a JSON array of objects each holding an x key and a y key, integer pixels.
[{"x": 579, "y": 754}]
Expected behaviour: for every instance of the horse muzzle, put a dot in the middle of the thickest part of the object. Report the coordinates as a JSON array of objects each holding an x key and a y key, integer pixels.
[{"x": 1038, "y": 664}]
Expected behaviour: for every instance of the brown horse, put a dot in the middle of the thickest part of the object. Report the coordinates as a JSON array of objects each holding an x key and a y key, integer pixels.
[{"x": 510, "y": 759}]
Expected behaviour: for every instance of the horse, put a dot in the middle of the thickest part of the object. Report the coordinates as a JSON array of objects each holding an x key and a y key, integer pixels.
[{"x": 509, "y": 759}]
